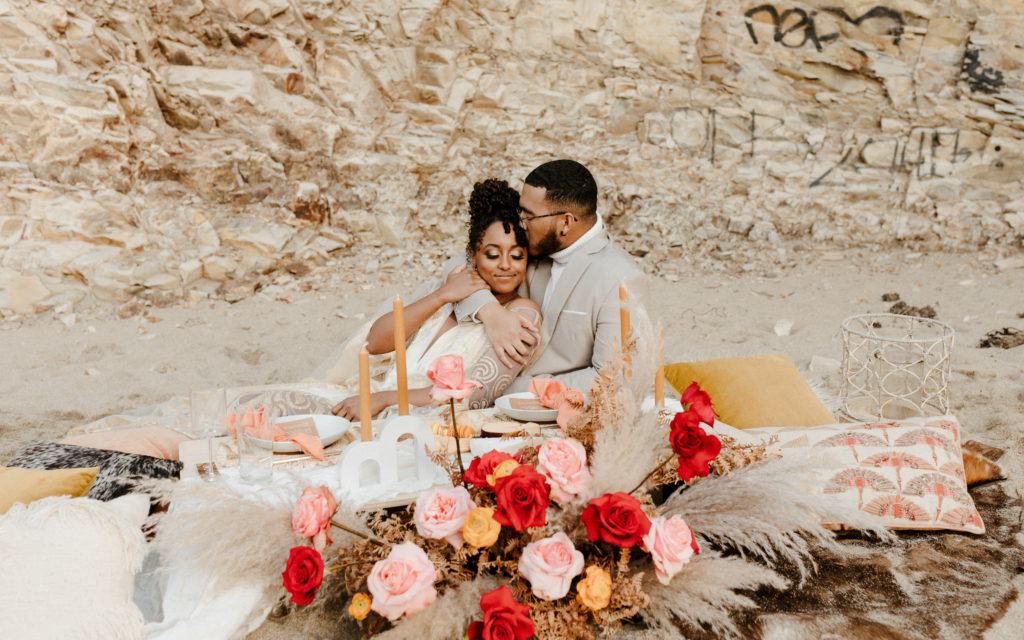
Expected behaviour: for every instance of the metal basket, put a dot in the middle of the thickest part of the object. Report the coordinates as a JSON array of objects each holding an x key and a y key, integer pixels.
[{"x": 895, "y": 366}]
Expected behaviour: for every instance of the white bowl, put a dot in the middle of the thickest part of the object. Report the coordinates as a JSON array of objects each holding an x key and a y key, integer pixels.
[
  {"x": 524, "y": 415},
  {"x": 330, "y": 429}
]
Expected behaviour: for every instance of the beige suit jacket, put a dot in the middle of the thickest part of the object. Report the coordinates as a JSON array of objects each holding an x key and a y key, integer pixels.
[{"x": 581, "y": 321}]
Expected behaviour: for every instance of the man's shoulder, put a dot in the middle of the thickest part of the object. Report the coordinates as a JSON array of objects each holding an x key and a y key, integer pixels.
[{"x": 612, "y": 257}]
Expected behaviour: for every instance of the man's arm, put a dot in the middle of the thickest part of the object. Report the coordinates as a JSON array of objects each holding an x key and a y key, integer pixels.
[{"x": 511, "y": 336}]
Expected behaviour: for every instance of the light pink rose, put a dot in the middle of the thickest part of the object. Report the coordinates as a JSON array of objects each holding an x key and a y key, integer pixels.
[
  {"x": 449, "y": 378},
  {"x": 440, "y": 513},
  {"x": 564, "y": 463},
  {"x": 549, "y": 565},
  {"x": 402, "y": 583},
  {"x": 311, "y": 517},
  {"x": 671, "y": 545}
]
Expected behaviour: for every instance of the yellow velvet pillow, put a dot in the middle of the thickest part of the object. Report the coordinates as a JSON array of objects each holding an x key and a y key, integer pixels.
[
  {"x": 26, "y": 485},
  {"x": 754, "y": 391}
]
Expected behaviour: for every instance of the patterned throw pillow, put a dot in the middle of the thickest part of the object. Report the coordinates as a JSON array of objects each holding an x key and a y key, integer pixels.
[
  {"x": 117, "y": 469},
  {"x": 909, "y": 473}
]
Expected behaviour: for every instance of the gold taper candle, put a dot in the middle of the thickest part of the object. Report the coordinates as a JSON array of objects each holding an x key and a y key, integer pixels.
[
  {"x": 366, "y": 432},
  {"x": 623, "y": 313},
  {"x": 403, "y": 381},
  {"x": 659, "y": 377}
]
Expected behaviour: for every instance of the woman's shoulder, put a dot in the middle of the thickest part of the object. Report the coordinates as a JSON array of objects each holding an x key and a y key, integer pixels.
[{"x": 525, "y": 306}]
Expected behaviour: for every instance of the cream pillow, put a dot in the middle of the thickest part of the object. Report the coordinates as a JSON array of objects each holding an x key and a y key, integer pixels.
[
  {"x": 909, "y": 474},
  {"x": 26, "y": 485},
  {"x": 69, "y": 568},
  {"x": 153, "y": 441}
]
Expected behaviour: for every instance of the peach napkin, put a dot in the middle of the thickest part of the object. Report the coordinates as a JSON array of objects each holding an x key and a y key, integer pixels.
[
  {"x": 257, "y": 424},
  {"x": 555, "y": 395}
]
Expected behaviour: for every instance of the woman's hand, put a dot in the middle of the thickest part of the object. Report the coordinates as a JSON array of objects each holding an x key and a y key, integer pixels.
[
  {"x": 350, "y": 409},
  {"x": 460, "y": 284}
]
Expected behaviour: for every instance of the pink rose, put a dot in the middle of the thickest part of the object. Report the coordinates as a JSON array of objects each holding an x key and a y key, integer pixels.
[
  {"x": 564, "y": 463},
  {"x": 311, "y": 517},
  {"x": 549, "y": 565},
  {"x": 671, "y": 545},
  {"x": 449, "y": 379},
  {"x": 402, "y": 583},
  {"x": 440, "y": 513}
]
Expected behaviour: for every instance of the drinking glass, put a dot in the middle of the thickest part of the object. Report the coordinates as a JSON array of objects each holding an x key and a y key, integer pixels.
[
  {"x": 207, "y": 408},
  {"x": 255, "y": 453}
]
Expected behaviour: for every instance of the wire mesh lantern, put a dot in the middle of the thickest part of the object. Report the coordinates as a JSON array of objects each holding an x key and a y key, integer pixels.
[{"x": 895, "y": 366}]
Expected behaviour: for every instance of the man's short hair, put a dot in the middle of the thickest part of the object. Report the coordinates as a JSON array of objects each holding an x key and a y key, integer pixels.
[{"x": 567, "y": 183}]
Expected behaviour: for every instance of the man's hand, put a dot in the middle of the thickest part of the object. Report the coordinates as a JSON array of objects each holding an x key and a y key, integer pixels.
[
  {"x": 512, "y": 336},
  {"x": 461, "y": 282},
  {"x": 350, "y": 409}
]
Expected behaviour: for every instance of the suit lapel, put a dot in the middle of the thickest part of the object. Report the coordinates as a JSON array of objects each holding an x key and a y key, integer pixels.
[
  {"x": 537, "y": 277},
  {"x": 574, "y": 270}
]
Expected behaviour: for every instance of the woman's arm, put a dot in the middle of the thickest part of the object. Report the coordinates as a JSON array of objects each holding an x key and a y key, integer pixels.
[
  {"x": 491, "y": 372},
  {"x": 349, "y": 408},
  {"x": 460, "y": 283}
]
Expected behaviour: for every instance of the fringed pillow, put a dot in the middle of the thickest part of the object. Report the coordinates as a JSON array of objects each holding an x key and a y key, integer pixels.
[
  {"x": 69, "y": 568},
  {"x": 118, "y": 470},
  {"x": 909, "y": 473}
]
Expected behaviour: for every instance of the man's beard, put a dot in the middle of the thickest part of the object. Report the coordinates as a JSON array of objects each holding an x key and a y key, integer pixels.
[{"x": 547, "y": 245}]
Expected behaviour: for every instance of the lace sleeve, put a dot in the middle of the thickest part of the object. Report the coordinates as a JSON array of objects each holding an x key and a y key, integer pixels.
[{"x": 492, "y": 374}]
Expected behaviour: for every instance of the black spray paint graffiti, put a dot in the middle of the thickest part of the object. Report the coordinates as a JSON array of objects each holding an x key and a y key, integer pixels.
[
  {"x": 923, "y": 153},
  {"x": 979, "y": 77},
  {"x": 795, "y": 27}
]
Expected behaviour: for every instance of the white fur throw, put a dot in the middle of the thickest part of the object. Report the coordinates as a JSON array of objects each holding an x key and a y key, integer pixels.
[{"x": 68, "y": 568}]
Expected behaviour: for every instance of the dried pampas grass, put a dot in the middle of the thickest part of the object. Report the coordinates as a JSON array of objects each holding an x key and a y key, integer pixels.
[
  {"x": 703, "y": 594},
  {"x": 231, "y": 532},
  {"x": 766, "y": 511},
  {"x": 626, "y": 440}
]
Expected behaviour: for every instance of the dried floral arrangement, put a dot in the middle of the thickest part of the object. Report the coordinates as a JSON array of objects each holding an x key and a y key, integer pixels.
[{"x": 562, "y": 539}]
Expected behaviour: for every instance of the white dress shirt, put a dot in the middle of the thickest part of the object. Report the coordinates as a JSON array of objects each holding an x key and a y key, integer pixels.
[{"x": 561, "y": 257}]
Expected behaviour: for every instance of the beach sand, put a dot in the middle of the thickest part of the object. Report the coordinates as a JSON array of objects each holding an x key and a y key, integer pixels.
[{"x": 60, "y": 374}]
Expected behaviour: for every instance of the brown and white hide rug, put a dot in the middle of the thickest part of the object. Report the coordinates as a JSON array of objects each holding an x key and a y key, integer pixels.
[{"x": 926, "y": 585}]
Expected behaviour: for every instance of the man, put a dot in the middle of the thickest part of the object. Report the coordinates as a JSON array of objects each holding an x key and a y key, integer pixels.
[{"x": 574, "y": 275}]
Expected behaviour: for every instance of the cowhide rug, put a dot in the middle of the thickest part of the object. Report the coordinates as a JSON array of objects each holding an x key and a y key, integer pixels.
[{"x": 927, "y": 585}]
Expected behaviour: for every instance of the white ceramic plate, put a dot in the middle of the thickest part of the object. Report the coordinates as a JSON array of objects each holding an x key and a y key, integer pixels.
[
  {"x": 525, "y": 415},
  {"x": 329, "y": 428}
]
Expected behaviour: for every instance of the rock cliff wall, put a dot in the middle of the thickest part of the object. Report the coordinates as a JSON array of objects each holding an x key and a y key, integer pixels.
[{"x": 202, "y": 147}]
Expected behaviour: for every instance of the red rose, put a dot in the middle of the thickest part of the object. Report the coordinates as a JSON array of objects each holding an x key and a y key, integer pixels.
[
  {"x": 617, "y": 519},
  {"x": 523, "y": 498},
  {"x": 303, "y": 574},
  {"x": 699, "y": 402},
  {"x": 478, "y": 470},
  {"x": 504, "y": 618},
  {"x": 694, "y": 447}
]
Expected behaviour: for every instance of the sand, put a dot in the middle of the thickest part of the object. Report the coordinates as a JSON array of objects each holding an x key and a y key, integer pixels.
[{"x": 59, "y": 374}]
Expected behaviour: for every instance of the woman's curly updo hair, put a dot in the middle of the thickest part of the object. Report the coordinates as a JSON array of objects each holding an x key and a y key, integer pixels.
[{"x": 493, "y": 201}]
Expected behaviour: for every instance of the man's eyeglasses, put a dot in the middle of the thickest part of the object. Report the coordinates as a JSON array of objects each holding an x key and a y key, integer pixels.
[{"x": 524, "y": 220}]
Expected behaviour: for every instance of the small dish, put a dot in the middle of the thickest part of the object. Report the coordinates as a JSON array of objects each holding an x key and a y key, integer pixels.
[
  {"x": 525, "y": 415},
  {"x": 329, "y": 428}
]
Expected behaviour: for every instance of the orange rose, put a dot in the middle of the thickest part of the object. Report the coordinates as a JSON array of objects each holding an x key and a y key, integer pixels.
[
  {"x": 360, "y": 607},
  {"x": 595, "y": 591},
  {"x": 480, "y": 529},
  {"x": 505, "y": 468}
]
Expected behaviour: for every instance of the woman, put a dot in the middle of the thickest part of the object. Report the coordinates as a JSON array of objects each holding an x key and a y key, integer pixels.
[{"x": 497, "y": 253}]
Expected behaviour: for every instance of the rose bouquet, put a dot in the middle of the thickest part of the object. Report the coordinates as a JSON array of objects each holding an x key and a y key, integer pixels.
[{"x": 570, "y": 558}]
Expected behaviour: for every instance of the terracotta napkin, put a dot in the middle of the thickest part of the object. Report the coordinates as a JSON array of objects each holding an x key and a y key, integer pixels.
[{"x": 258, "y": 425}]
